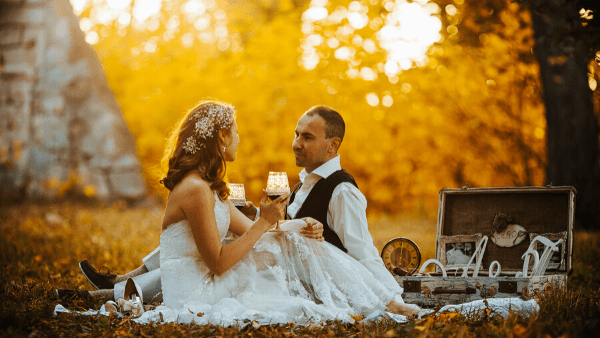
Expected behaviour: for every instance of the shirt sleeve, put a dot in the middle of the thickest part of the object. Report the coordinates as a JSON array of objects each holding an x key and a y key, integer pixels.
[
  {"x": 152, "y": 261},
  {"x": 347, "y": 216}
]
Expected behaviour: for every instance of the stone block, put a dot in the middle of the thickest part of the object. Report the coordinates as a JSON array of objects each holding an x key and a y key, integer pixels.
[
  {"x": 23, "y": 15},
  {"x": 127, "y": 184},
  {"x": 54, "y": 105},
  {"x": 15, "y": 95},
  {"x": 60, "y": 33},
  {"x": 50, "y": 131},
  {"x": 56, "y": 55},
  {"x": 15, "y": 56},
  {"x": 17, "y": 71},
  {"x": 59, "y": 75},
  {"x": 96, "y": 179},
  {"x": 11, "y": 35},
  {"x": 41, "y": 161},
  {"x": 7, "y": 3},
  {"x": 78, "y": 89},
  {"x": 126, "y": 162},
  {"x": 53, "y": 98},
  {"x": 35, "y": 41}
]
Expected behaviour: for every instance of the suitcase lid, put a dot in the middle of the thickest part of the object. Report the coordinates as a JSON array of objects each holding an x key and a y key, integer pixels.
[{"x": 467, "y": 214}]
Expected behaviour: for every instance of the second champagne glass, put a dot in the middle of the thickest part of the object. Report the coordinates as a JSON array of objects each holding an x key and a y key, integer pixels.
[
  {"x": 277, "y": 185},
  {"x": 237, "y": 196}
]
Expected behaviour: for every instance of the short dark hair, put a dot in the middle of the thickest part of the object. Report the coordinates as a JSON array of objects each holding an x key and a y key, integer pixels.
[{"x": 334, "y": 122}]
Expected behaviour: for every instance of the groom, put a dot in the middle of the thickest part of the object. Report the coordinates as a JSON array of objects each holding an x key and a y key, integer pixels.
[
  {"x": 326, "y": 192},
  {"x": 330, "y": 194}
]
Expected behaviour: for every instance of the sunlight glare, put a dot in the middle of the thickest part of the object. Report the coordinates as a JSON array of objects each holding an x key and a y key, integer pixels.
[
  {"x": 369, "y": 46},
  {"x": 150, "y": 46},
  {"x": 410, "y": 29},
  {"x": 358, "y": 20},
  {"x": 85, "y": 24},
  {"x": 451, "y": 10},
  {"x": 372, "y": 99},
  {"x": 333, "y": 43},
  {"x": 368, "y": 74},
  {"x": 202, "y": 23},
  {"x": 92, "y": 38},
  {"x": 194, "y": 7},
  {"x": 405, "y": 33},
  {"x": 124, "y": 19},
  {"x": 78, "y": 6},
  {"x": 314, "y": 39},
  {"x": 118, "y": 4},
  {"x": 352, "y": 73},
  {"x": 343, "y": 53},
  {"x": 387, "y": 101},
  {"x": 315, "y": 14},
  {"x": 187, "y": 40},
  {"x": 144, "y": 10},
  {"x": 207, "y": 37}
]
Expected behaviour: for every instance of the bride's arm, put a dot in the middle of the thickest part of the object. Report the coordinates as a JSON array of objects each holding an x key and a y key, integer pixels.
[
  {"x": 198, "y": 206},
  {"x": 239, "y": 223}
]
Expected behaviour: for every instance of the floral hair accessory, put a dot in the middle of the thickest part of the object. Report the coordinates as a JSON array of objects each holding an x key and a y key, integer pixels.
[
  {"x": 209, "y": 118},
  {"x": 191, "y": 146}
]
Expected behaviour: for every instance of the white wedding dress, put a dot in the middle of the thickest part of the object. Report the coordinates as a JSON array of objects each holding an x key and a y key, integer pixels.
[{"x": 285, "y": 278}]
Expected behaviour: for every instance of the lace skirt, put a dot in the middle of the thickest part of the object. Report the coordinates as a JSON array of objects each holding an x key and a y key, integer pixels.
[{"x": 284, "y": 278}]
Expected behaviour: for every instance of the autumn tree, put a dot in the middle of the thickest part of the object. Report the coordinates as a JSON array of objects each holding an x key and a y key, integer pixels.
[
  {"x": 434, "y": 94},
  {"x": 567, "y": 38}
]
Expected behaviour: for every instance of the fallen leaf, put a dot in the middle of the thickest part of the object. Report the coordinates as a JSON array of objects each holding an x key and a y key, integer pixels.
[{"x": 390, "y": 333}]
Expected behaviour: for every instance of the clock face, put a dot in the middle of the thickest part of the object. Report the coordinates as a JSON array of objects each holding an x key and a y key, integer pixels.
[{"x": 401, "y": 253}]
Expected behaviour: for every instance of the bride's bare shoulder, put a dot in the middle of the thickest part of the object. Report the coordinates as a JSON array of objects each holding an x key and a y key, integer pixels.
[
  {"x": 192, "y": 186},
  {"x": 189, "y": 195}
]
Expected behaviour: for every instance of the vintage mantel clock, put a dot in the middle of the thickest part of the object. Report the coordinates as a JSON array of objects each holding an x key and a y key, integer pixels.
[{"x": 401, "y": 256}]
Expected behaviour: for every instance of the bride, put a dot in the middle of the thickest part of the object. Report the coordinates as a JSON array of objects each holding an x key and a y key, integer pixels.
[{"x": 281, "y": 276}]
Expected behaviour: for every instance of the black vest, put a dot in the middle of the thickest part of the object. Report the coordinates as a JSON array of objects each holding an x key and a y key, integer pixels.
[{"x": 317, "y": 203}]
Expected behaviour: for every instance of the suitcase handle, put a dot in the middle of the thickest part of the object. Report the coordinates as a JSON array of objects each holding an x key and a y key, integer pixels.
[{"x": 440, "y": 290}]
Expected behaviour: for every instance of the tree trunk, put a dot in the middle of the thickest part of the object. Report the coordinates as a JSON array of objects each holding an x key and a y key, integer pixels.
[{"x": 572, "y": 129}]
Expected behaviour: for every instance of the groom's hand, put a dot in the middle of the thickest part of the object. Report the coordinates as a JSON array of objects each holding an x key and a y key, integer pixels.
[
  {"x": 313, "y": 229},
  {"x": 249, "y": 210}
]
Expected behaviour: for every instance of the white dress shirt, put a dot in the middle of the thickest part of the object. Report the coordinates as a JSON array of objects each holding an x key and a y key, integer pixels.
[{"x": 347, "y": 217}]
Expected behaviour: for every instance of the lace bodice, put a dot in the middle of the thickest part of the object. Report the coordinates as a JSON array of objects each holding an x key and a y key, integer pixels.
[{"x": 177, "y": 241}]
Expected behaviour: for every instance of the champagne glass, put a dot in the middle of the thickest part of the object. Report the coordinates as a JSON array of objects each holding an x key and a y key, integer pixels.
[
  {"x": 237, "y": 195},
  {"x": 277, "y": 185}
]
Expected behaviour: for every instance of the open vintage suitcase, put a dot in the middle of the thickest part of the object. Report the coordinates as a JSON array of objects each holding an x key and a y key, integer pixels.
[{"x": 467, "y": 215}]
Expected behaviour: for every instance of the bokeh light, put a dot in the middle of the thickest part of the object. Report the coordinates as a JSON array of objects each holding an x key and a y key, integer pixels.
[
  {"x": 404, "y": 34},
  {"x": 205, "y": 17}
]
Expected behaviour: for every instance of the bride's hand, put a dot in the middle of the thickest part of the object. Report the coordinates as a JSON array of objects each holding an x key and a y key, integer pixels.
[
  {"x": 313, "y": 229},
  {"x": 273, "y": 212}
]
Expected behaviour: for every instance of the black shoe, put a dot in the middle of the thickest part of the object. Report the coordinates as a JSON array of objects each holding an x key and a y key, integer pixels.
[
  {"x": 97, "y": 279},
  {"x": 71, "y": 294}
]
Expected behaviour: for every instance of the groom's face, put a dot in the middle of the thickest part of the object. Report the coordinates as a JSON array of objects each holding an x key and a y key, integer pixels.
[{"x": 310, "y": 145}]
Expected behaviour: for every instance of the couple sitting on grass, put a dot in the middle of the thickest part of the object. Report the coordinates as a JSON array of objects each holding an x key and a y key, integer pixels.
[{"x": 273, "y": 277}]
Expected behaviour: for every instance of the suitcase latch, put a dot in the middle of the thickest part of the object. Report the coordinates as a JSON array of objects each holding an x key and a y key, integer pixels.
[
  {"x": 505, "y": 286},
  {"x": 412, "y": 286},
  {"x": 468, "y": 291}
]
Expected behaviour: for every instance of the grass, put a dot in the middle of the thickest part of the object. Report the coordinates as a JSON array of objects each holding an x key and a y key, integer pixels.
[{"x": 40, "y": 246}]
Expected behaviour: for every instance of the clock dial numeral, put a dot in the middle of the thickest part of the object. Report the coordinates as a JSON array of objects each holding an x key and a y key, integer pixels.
[{"x": 401, "y": 253}]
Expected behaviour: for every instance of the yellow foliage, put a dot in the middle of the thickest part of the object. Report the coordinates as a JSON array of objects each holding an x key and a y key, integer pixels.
[{"x": 472, "y": 115}]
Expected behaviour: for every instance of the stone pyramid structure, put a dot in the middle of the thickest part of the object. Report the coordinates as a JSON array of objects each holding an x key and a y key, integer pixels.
[{"x": 59, "y": 120}]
